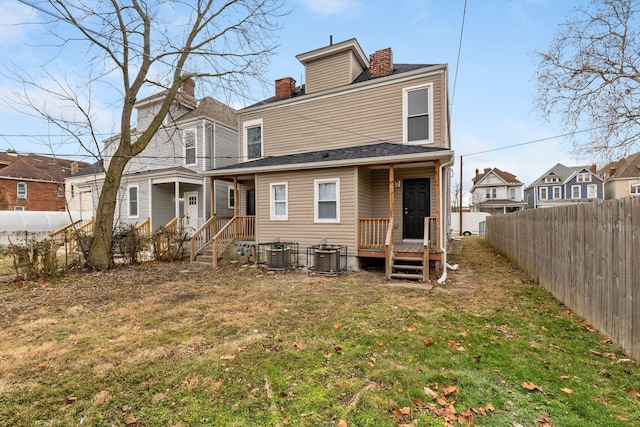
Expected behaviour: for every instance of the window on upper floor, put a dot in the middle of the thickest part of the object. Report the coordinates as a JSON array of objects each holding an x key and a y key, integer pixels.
[
  {"x": 551, "y": 179},
  {"x": 279, "y": 210},
  {"x": 584, "y": 177},
  {"x": 327, "y": 200},
  {"x": 417, "y": 106},
  {"x": 512, "y": 193},
  {"x": 252, "y": 137},
  {"x": 491, "y": 193},
  {"x": 60, "y": 191},
  {"x": 190, "y": 147},
  {"x": 132, "y": 193},
  {"x": 557, "y": 193},
  {"x": 543, "y": 193},
  {"x": 592, "y": 191},
  {"x": 22, "y": 190},
  {"x": 634, "y": 188},
  {"x": 576, "y": 192}
]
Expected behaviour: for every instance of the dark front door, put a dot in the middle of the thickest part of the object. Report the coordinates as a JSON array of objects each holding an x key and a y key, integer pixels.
[
  {"x": 415, "y": 207},
  {"x": 251, "y": 202}
]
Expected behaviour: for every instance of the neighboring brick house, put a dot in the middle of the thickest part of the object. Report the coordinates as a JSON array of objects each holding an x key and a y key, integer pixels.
[
  {"x": 565, "y": 185},
  {"x": 358, "y": 157},
  {"x": 622, "y": 178},
  {"x": 33, "y": 182},
  {"x": 496, "y": 191}
]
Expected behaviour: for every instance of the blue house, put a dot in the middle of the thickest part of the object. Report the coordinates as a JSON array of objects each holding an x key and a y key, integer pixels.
[{"x": 563, "y": 185}]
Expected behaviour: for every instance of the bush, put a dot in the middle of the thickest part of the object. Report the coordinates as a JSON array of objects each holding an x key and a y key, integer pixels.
[{"x": 32, "y": 259}]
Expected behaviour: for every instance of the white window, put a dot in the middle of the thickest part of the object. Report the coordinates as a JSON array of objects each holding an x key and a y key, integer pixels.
[
  {"x": 543, "y": 193},
  {"x": 551, "y": 179},
  {"x": 18, "y": 208},
  {"x": 512, "y": 193},
  {"x": 279, "y": 201},
  {"x": 557, "y": 193},
  {"x": 22, "y": 190},
  {"x": 584, "y": 177},
  {"x": 592, "y": 191},
  {"x": 132, "y": 192},
  {"x": 417, "y": 116},
  {"x": 190, "y": 147},
  {"x": 634, "y": 187},
  {"x": 491, "y": 193},
  {"x": 252, "y": 139},
  {"x": 327, "y": 200},
  {"x": 576, "y": 192},
  {"x": 60, "y": 192},
  {"x": 231, "y": 199}
]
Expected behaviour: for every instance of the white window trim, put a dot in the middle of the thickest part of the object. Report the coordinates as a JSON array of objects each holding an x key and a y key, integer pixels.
[
  {"x": 584, "y": 177},
  {"x": 195, "y": 146},
  {"x": 129, "y": 201},
  {"x": 229, "y": 191},
  {"x": 553, "y": 192},
  {"x": 579, "y": 187},
  {"x": 316, "y": 186},
  {"x": 635, "y": 184},
  {"x": 246, "y": 125},
  {"x": 512, "y": 194},
  {"x": 405, "y": 112},
  {"x": 546, "y": 193},
  {"x": 18, "y": 195},
  {"x": 272, "y": 202},
  {"x": 19, "y": 208},
  {"x": 595, "y": 192}
]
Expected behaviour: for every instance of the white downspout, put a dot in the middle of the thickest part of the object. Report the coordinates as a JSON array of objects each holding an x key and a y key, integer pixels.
[{"x": 443, "y": 234}]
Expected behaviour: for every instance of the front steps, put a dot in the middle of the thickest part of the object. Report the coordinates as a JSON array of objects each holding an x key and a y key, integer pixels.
[{"x": 407, "y": 267}]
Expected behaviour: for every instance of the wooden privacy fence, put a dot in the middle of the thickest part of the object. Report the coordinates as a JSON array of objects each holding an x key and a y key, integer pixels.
[{"x": 587, "y": 255}]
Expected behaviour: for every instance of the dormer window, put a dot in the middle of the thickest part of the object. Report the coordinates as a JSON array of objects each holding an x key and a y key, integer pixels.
[
  {"x": 551, "y": 179},
  {"x": 417, "y": 115},
  {"x": 252, "y": 139},
  {"x": 584, "y": 177}
]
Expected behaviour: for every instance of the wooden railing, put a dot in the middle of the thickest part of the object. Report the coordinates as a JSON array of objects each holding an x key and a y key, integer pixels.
[
  {"x": 144, "y": 228},
  {"x": 238, "y": 228},
  {"x": 163, "y": 241},
  {"x": 69, "y": 234},
  {"x": 203, "y": 236},
  {"x": 388, "y": 247},
  {"x": 372, "y": 232},
  {"x": 431, "y": 237}
]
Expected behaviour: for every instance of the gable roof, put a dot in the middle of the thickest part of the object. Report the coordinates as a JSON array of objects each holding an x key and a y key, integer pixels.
[
  {"x": 209, "y": 107},
  {"x": 41, "y": 168},
  {"x": 562, "y": 172},
  {"x": 363, "y": 154},
  {"x": 629, "y": 167},
  {"x": 507, "y": 177},
  {"x": 91, "y": 169}
]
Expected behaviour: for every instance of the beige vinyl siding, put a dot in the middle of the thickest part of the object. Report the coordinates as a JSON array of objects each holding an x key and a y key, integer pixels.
[
  {"x": 300, "y": 226},
  {"x": 381, "y": 190},
  {"x": 347, "y": 119},
  {"x": 327, "y": 73},
  {"x": 365, "y": 193},
  {"x": 356, "y": 68}
]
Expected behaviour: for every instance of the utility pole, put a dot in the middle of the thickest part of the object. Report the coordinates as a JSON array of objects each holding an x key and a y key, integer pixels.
[{"x": 460, "y": 204}]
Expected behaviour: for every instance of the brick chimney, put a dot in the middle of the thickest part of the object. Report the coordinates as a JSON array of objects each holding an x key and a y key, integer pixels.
[
  {"x": 188, "y": 87},
  {"x": 74, "y": 168},
  {"x": 285, "y": 87},
  {"x": 477, "y": 178},
  {"x": 381, "y": 63},
  {"x": 593, "y": 169}
]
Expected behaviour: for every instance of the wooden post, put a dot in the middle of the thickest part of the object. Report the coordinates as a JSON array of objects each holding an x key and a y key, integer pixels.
[
  {"x": 388, "y": 249},
  {"x": 235, "y": 206}
]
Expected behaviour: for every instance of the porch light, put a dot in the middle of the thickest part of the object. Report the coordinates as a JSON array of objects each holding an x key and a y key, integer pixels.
[{"x": 396, "y": 183}]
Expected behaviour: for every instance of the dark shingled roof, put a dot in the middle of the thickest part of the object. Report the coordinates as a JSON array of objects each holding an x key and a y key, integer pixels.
[
  {"x": 90, "y": 170},
  {"x": 629, "y": 167},
  {"x": 38, "y": 167},
  {"x": 362, "y": 77},
  {"x": 382, "y": 149}
]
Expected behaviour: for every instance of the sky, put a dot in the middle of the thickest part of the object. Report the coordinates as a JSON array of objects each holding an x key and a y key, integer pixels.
[{"x": 491, "y": 70}]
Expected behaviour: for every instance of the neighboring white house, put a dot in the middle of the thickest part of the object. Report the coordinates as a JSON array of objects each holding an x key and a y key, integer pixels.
[
  {"x": 163, "y": 182},
  {"x": 622, "y": 178},
  {"x": 495, "y": 191}
]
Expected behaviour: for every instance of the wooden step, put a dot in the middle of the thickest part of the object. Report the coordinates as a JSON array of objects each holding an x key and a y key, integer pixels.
[
  {"x": 406, "y": 276},
  {"x": 408, "y": 259},
  {"x": 408, "y": 267}
]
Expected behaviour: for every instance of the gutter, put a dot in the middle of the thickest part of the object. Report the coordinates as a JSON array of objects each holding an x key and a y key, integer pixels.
[{"x": 443, "y": 234}]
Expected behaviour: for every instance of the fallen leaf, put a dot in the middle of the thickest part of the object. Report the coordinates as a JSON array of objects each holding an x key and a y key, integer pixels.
[
  {"x": 449, "y": 389},
  {"x": 530, "y": 386},
  {"x": 489, "y": 407},
  {"x": 380, "y": 343},
  {"x": 564, "y": 377},
  {"x": 372, "y": 361},
  {"x": 285, "y": 420},
  {"x": 430, "y": 393},
  {"x": 411, "y": 329},
  {"x": 71, "y": 399},
  {"x": 567, "y": 390},
  {"x": 398, "y": 414},
  {"x": 342, "y": 423},
  {"x": 227, "y": 357},
  {"x": 337, "y": 349},
  {"x": 632, "y": 392},
  {"x": 130, "y": 419},
  {"x": 452, "y": 344},
  {"x": 606, "y": 341},
  {"x": 328, "y": 356},
  {"x": 543, "y": 423},
  {"x": 428, "y": 342},
  {"x": 337, "y": 326},
  {"x": 477, "y": 357}
]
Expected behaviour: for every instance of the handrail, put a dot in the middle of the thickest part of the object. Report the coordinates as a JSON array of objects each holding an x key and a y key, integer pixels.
[
  {"x": 430, "y": 224},
  {"x": 200, "y": 238},
  {"x": 145, "y": 228},
  {"x": 371, "y": 232},
  {"x": 162, "y": 246},
  {"x": 238, "y": 228}
]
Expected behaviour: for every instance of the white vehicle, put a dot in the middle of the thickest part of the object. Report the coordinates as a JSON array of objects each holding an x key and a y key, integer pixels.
[{"x": 470, "y": 223}]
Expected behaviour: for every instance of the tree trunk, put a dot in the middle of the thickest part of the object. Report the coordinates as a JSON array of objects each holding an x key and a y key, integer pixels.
[{"x": 100, "y": 256}]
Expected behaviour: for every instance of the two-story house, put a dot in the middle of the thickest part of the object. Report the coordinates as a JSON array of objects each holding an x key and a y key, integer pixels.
[
  {"x": 163, "y": 182},
  {"x": 34, "y": 182},
  {"x": 562, "y": 185},
  {"x": 357, "y": 156},
  {"x": 622, "y": 178},
  {"x": 496, "y": 192}
]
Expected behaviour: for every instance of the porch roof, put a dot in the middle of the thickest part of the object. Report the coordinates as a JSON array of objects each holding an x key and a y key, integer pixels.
[{"x": 378, "y": 153}]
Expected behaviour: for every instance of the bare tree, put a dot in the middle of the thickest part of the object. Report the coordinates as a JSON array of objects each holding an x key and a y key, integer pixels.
[
  {"x": 456, "y": 192},
  {"x": 589, "y": 78},
  {"x": 146, "y": 43}
]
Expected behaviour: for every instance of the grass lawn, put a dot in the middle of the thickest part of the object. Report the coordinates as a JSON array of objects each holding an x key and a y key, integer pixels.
[{"x": 182, "y": 345}]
